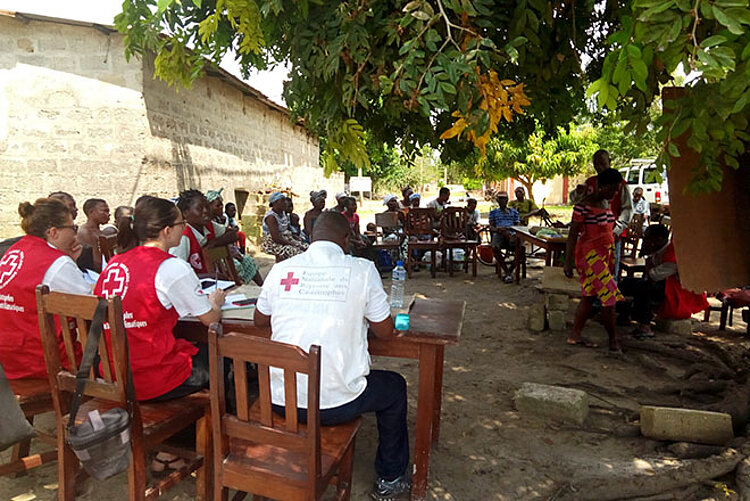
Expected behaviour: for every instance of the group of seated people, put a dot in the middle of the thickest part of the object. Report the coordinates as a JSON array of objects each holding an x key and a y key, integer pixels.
[{"x": 158, "y": 282}]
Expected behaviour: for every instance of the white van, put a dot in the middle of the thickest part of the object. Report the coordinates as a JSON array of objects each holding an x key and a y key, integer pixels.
[{"x": 641, "y": 173}]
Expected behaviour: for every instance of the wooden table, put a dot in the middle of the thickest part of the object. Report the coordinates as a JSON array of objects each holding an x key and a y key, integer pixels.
[
  {"x": 553, "y": 247},
  {"x": 433, "y": 324}
]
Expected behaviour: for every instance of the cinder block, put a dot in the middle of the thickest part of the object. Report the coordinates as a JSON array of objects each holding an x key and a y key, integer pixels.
[
  {"x": 552, "y": 402},
  {"x": 686, "y": 425},
  {"x": 557, "y": 302},
  {"x": 556, "y": 320},
  {"x": 535, "y": 317},
  {"x": 682, "y": 327}
]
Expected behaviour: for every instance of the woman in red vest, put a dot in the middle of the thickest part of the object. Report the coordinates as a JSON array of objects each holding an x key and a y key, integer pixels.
[
  {"x": 46, "y": 255},
  {"x": 156, "y": 289},
  {"x": 201, "y": 232}
]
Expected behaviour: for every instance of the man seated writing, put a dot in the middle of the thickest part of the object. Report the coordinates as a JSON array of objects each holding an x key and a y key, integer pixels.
[
  {"x": 659, "y": 291},
  {"x": 326, "y": 297},
  {"x": 503, "y": 238}
]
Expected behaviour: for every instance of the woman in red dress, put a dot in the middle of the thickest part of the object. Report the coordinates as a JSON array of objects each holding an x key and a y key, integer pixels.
[{"x": 591, "y": 245}]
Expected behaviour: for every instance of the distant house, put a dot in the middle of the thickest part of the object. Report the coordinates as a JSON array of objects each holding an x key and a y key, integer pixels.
[{"x": 76, "y": 116}]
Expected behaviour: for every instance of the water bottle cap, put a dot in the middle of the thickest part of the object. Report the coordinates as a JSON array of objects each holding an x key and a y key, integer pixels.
[{"x": 399, "y": 263}]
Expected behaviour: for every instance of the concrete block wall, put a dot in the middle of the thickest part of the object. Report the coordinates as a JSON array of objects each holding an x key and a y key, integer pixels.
[{"x": 75, "y": 116}]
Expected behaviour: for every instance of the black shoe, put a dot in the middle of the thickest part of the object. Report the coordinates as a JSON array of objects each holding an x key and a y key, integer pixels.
[{"x": 389, "y": 490}]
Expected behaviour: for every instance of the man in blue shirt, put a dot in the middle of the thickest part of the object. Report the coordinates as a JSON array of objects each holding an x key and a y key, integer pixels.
[{"x": 503, "y": 238}]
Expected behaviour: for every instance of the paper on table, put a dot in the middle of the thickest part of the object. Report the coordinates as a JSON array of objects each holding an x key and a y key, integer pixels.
[
  {"x": 90, "y": 276},
  {"x": 230, "y": 302},
  {"x": 209, "y": 284}
]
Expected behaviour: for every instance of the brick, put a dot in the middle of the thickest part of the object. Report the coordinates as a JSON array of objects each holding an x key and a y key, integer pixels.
[
  {"x": 556, "y": 320},
  {"x": 686, "y": 425},
  {"x": 682, "y": 327},
  {"x": 25, "y": 44},
  {"x": 557, "y": 302},
  {"x": 552, "y": 402},
  {"x": 535, "y": 318}
]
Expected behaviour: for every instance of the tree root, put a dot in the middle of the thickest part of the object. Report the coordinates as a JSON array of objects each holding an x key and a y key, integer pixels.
[{"x": 659, "y": 479}]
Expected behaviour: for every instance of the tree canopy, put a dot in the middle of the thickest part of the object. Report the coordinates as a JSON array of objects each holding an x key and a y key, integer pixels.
[{"x": 408, "y": 73}]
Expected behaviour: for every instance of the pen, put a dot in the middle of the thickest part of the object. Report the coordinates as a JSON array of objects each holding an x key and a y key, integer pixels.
[{"x": 216, "y": 278}]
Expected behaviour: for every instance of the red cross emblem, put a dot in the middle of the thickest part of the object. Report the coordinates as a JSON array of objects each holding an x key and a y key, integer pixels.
[
  {"x": 289, "y": 281},
  {"x": 9, "y": 266},
  {"x": 116, "y": 281}
]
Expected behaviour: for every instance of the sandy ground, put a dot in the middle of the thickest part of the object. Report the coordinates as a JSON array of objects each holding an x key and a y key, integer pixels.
[{"x": 487, "y": 450}]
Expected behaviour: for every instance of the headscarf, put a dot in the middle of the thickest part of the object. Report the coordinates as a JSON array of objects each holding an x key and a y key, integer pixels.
[
  {"x": 314, "y": 195},
  {"x": 388, "y": 198},
  {"x": 275, "y": 197},
  {"x": 212, "y": 195},
  {"x": 415, "y": 196},
  {"x": 341, "y": 195}
]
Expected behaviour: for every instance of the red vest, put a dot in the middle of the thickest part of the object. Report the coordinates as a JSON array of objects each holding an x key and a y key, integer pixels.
[
  {"x": 679, "y": 303},
  {"x": 22, "y": 268},
  {"x": 195, "y": 257},
  {"x": 159, "y": 362}
]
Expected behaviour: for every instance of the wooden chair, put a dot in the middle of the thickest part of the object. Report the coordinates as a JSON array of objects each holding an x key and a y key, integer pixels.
[
  {"x": 419, "y": 224},
  {"x": 34, "y": 397},
  {"x": 219, "y": 260},
  {"x": 108, "y": 246},
  {"x": 258, "y": 452},
  {"x": 152, "y": 423},
  {"x": 453, "y": 225},
  {"x": 630, "y": 263}
]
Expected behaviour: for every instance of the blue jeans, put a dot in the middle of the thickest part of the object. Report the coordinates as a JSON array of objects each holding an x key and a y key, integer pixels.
[{"x": 385, "y": 395}]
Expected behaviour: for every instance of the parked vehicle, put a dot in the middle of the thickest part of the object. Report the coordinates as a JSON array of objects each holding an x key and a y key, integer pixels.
[{"x": 642, "y": 172}]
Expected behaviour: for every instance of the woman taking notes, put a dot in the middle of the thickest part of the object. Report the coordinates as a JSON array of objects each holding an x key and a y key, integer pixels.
[
  {"x": 156, "y": 289},
  {"x": 45, "y": 255}
]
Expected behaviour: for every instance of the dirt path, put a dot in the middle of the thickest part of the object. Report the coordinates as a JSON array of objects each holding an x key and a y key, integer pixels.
[{"x": 488, "y": 451}]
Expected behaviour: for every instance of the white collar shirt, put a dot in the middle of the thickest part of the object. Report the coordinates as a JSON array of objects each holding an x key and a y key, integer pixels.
[{"x": 325, "y": 297}]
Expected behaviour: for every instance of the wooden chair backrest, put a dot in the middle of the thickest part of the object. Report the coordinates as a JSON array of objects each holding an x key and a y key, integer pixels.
[
  {"x": 419, "y": 221},
  {"x": 387, "y": 220},
  {"x": 242, "y": 348},
  {"x": 453, "y": 221},
  {"x": 635, "y": 227},
  {"x": 108, "y": 246},
  {"x": 219, "y": 259},
  {"x": 74, "y": 313}
]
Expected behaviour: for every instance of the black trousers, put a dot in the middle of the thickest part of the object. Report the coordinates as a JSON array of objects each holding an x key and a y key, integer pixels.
[{"x": 646, "y": 296}]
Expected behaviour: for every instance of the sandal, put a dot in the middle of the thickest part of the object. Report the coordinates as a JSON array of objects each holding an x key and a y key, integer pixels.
[
  {"x": 168, "y": 466},
  {"x": 640, "y": 335},
  {"x": 583, "y": 342}
]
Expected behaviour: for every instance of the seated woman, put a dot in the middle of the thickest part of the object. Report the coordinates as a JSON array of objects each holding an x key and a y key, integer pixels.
[
  {"x": 360, "y": 245},
  {"x": 221, "y": 217},
  {"x": 157, "y": 290},
  {"x": 318, "y": 201},
  {"x": 201, "y": 231},
  {"x": 45, "y": 255},
  {"x": 591, "y": 243},
  {"x": 660, "y": 290},
  {"x": 277, "y": 235}
]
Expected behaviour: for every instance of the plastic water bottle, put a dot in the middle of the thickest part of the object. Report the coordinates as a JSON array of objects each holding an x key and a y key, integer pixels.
[{"x": 397, "y": 287}]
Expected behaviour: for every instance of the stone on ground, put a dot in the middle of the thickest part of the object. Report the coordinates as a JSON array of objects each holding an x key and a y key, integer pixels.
[
  {"x": 552, "y": 402},
  {"x": 682, "y": 327},
  {"x": 686, "y": 425},
  {"x": 535, "y": 317},
  {"x": 556, "y": 320},
  {"x": 557, "y": 302}
]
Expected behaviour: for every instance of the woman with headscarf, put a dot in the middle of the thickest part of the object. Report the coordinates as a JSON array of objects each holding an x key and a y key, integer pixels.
[
  {"x": 277, "y": 235},
  {"x": 318, "y": 200}
]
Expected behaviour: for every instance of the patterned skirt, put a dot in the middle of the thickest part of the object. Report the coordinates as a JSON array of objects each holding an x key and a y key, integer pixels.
[
  {"x": 595, "y": 269},
  {"x": 282, "y": 251},
  {"x": 246, "y": 268}
]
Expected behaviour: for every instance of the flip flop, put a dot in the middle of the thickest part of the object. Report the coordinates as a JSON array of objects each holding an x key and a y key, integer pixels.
[
  {"x": 170, "y": 465},
  {"x": 583, "y": 342},
  {"x": 641, "y": 335}
]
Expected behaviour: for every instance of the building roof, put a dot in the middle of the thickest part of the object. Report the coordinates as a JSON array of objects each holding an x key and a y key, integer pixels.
[{"x": 210, "y": 68}]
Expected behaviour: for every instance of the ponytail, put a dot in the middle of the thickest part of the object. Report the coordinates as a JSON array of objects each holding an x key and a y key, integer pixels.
[{"x": 44, "y": 214}]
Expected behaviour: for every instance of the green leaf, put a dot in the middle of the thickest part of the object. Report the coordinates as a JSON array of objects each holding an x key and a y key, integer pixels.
[
  {"x": 162, "y": 5},
  {"x": 731, "y": 3},
  {"x": 727, "y": 21},
  {"x": 712, "y": 41},
  {"x": 739, "y": 15},
  {"x": 594, "y": 88},
  {"x": 673, "y": 151},
  {"x": 448, "y": 88}
]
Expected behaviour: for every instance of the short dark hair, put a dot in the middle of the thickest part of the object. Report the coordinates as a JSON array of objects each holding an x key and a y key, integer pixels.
[
  {"x": 444, "y": 190},
  {"x": 229, "y": 204},
  {"x": 188, "y": 198},
  {"x": 601, "y": 157},
  {"x": 609, "y": 177},
  {"x": 91, "y": 203},
  {"x": 122, "y": 208},
  {"x": 657, "y": 230},
  {"x": 471, "y": 200}
]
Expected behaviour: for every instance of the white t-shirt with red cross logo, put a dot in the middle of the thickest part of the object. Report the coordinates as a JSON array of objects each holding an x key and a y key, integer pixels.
[{"x": 325, "y": 297}]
